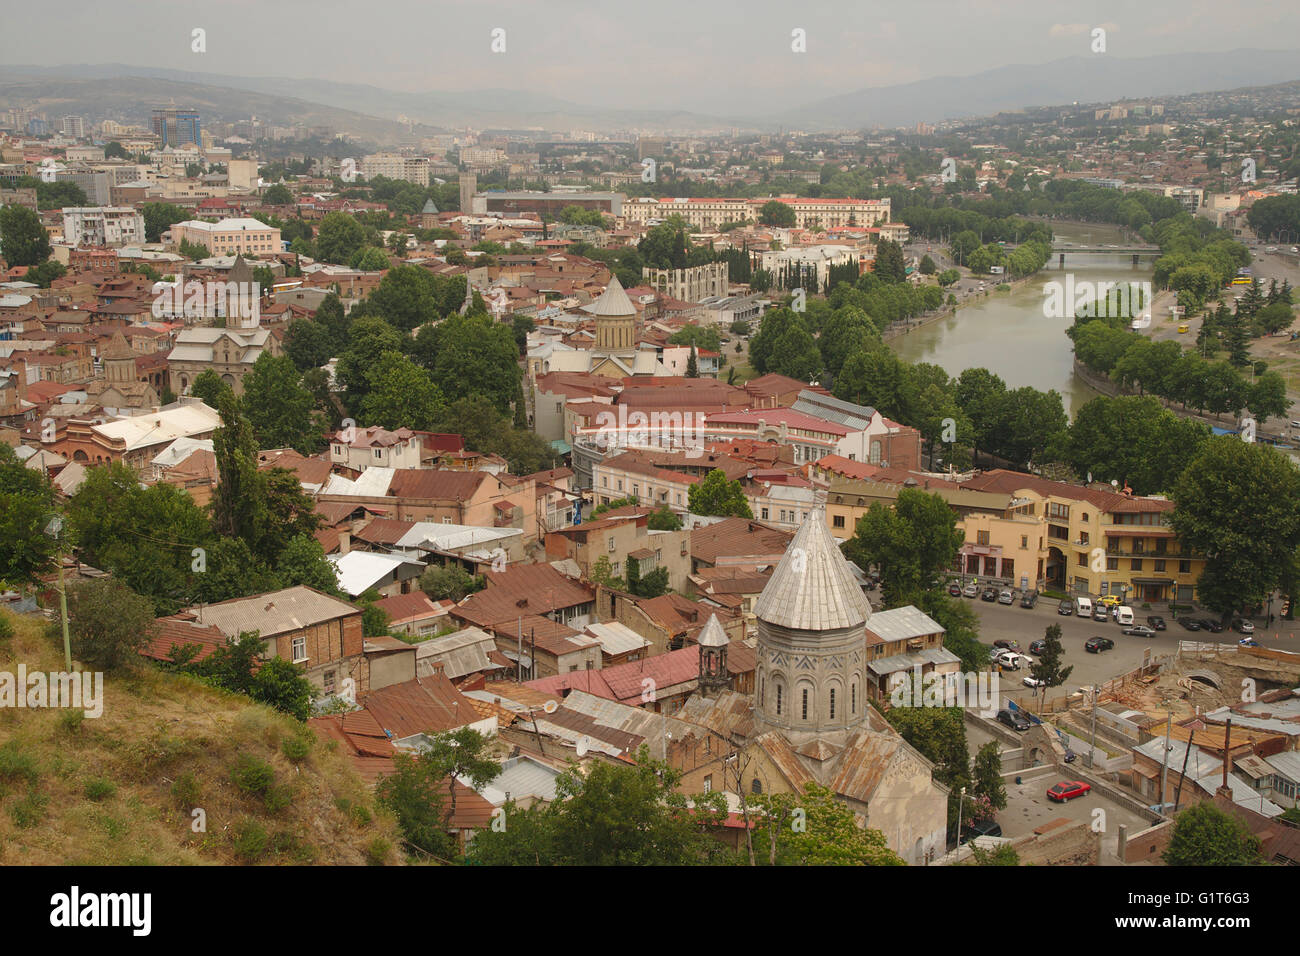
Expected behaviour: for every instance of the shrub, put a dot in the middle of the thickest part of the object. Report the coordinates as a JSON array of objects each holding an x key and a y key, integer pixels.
[
  {"x": 16, "y": 766},
  {"x": 253, "y": 776},
  {"x": 296, "y": 749},
  {"x": 99, "y": 790},
  {"x": 70, "y": 721},
  {"x": 30, "y": 810},
  {"x": 185, "y": 790},
  {"x": 377, "y": 851},
  {"x": 250, "y": 841}
]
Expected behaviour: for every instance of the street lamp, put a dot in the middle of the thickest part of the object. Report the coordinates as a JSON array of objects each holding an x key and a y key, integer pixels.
[{"x": 961, "y": 797}]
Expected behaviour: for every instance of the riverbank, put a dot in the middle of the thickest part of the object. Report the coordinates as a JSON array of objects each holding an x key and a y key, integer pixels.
[{"x": 899, "y": 329}]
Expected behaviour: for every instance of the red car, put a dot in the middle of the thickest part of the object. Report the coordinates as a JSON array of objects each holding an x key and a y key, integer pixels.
[{"x": 1068, "y": 790}]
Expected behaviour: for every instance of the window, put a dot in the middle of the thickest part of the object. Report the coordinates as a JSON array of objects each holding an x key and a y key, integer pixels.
[
  {"x": 379, "y": 453},
  {"x": 1083, "y": 559},
  {"x": 981, "y": 537},
  {"x": 832, "y": 703},
  {"x": 853, "y": 699},
  {"x": 611, "y": 543},
  {"x": 329, "y": 682},
  {"x": 1184, "y": 567},
  {"x": 837, "y": 521},
  {"x": 778, "y": 699},
  {"x": 620, "y": 484},
  {"x": 299, "y": 649},
  {"x": 604, "y": 481},
  {"x": 1159, "y": 565},
  {"x": 636, "y": 491},
  {"x": 804, "y": 708},
  {"x": 559, "y": 407},
  {"x": 763, "y": 514},
  {"x": 1135, "y": 564},
  {"x": 755, "y": 787},
  {"x": 708, "y": 784},
  {"x": 1024, "y": 542},
  {"x": 1112, "y": 564}
]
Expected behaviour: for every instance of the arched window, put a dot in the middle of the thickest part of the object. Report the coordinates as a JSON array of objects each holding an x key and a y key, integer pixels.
[
  {"x": 853, "y": 699},
  {"x": 778, "y": 700},
  {"x": 832, "y": 703},
  {"x": 762, "y": 689},
  {"x": 755, "y": 787},
  {"x": 804, "y": 709}
]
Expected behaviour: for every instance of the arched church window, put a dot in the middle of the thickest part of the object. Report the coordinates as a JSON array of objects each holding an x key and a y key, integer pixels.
[
  {"x": 778, "y": 700},
  {"x": 832, "y": 703},
  {"x": 755, "y": 787},
  {"x": 804, "y": 709}
]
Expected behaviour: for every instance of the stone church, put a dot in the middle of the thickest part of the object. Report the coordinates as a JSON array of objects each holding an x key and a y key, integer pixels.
[{"x": 808, "y": 719}]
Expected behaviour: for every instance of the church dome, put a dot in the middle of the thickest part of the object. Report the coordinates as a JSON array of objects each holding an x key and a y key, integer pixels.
[{"x": 813, "y": 587}]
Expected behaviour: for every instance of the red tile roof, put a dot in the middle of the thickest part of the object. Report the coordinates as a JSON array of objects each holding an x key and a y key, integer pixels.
[
  {"x": 429, "y": 705},
  {"x": 521, "y": 590}
]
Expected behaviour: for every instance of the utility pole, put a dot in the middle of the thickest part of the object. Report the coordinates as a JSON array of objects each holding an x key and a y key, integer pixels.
[{"x": 1164, "y": 771}]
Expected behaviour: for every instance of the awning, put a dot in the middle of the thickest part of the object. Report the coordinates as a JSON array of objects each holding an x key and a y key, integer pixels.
[{"x": 1153, "y": 580}]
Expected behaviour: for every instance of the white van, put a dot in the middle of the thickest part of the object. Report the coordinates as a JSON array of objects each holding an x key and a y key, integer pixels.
[
  {"x": 1124, "y": 616},
  {"x": 1083, "y": 606}
]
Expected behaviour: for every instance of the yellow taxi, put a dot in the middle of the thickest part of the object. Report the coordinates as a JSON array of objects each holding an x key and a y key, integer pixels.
[
  {"x": 1109, "y": 600},
  {"x": 1183, "y": 327}
]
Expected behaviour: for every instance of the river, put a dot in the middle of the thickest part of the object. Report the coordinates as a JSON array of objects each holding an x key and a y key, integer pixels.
[{"x": 1007, "y": 333}]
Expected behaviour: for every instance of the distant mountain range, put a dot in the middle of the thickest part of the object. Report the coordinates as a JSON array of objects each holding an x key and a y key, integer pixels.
[{"x": 373, "y": 112}]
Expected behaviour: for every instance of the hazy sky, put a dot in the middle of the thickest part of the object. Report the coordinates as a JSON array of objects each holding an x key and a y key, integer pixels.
[{"x": 660, "y": 54}]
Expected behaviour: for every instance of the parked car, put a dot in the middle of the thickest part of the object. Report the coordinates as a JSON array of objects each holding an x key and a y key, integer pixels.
[
  {"x": 989, "y": 594},
  {"x": 1031, "y": 681},
  {"x": 1156, "y": 622},
  {"x": 954, "y": 589},
  {"x": 1110, "y": 600},
  {"x": 1095, "y": 645},
  {"x": 1099, "y": 613},
  {"x": 1124, "y": 616},
  {"x": 1038, "y": 646},
  {"x": 1005, "y": 597},
  {"x": 1007, "y": 660},
  {"x": 1065, "y": 607},
  {"x": 1139, "y": 630},
  {"x": 1014, "y": 719},
  {"x": 1009, "y": 645},
  {"x": 970, "y": 590},
  {"x": 982, "y": 828},
  {"x": 1068, "y": 790},
  {"x": 1189, "y": 623},
  {"x": 1029, "y": 599},
  {"x": 1243, "y": 626},
  {"x": 1212, "y": 625}
]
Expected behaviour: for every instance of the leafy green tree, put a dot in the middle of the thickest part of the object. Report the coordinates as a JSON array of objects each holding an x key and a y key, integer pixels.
[
  {"x": 1048, "y": 666},
  {"x": 450, "y": 582},
  {"x": 1003, "y": 855},
  {"x": 475, "y": 356},
  {"x": 209, "y": 388},
  {"x": 369, "y": 338},
  {"x": 889, "y": 265},
  {"x": 23, "y": 240},
  {"x": 303, "y": 562},
  {"x": 238, "y": 507},
  {"x": 961, "y": 627},
  {"x": 611, "y": 815},
  {"x": 827, "y": 833},
  {"x": 278, "y": 407},
  {"x": 26, "y": 507},
  {"x": 776, "y": 213},
  {"x": 338, "y": 236},
  {"x": 911, "y": 544},
  {"x": 308, "y": 344},
  {"x": 716, "y": 495},
  {"x": 939, "y": 733},
  {"x": 400, "y": 394},
  {"x": 986, "y": 775},
  {"x": 1133, "y": 440},
  {"x": 663, "y": 519},
  {"x": 109, "y": 624},
  {"x": 927, "y": 266},
  {"x": 277, "y": 195},
  {"x": 1204, "y": 835},
  {"x": 1236, "y": 502},
  {"x": 414, "y": 794},
  {"x": 369, "y": 259}
]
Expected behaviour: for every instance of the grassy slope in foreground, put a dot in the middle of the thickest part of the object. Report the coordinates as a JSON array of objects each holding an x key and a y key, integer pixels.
[{"x": 120, "y": 789}]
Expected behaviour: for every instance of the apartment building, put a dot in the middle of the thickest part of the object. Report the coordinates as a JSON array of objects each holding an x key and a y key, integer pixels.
[
  {"x": 703, "y": 213},
  {"x": 619, "y": 539},
  {"x": 247, "y": 237},
  {"x": 689, "y": 285},
  {"x": 374, "y": 446},
  {"x": 103, "y": 226},
  {"x": 411, "y": 169}
]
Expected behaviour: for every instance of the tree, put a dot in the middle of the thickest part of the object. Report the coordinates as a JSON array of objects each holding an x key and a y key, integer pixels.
[
  {"x": 1204, "y": 835},
  {"x": 368, "y": 338},
  {"x": 716, "y": 495},
  {"x": 663, "y": 519},
  {"x": 401, "y": 394},
  {"x": 278, "y": 407},
  {"x": 338, "y": 236},
  {"x": 308, "y": 344},
  {"x": 208, "y": 388},
  {"x": 475, "y": 356},
  {"x": 26, "y": 507},
  {"x": 303, "y": 562},
  {"x": 889, "y": 265},
  {"x": 1236, "y": 503},
  {"x": 1274, "y": 318},
  {"x": 927, "y": 266},
  {"x": 692, "y": 365},
  {"x": 450, "y": 582},
  {"x": 369, "y": 259},
  {"x": 414, "y": 795},
  {"x": 23, "y": 240},
  {"x": 828, "y": 834},
  {"x": 238, "y": 506},
  {"x": 1048, "y": 666},
  {"x": 277, "y": 195},
  {"x": 986, "y": 775},
  {"x": 911, "y": 544},
  {"x": 611, "y": 815},
  {"x": 109, "y": 624},
  {"x": 776, "y": 213}
]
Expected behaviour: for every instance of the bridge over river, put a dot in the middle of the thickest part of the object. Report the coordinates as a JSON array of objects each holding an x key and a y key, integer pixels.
[{"x": 1136, "y": 250}]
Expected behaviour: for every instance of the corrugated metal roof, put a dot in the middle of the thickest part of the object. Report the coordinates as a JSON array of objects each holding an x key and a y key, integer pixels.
[
  {"x": 359, "y": 571},
  {"x": 616, "y": 638},
  {"x": 902, "y": 623},
  {"x": 465, "y": 652},
  {"x": 898, "y": 662},
  {"x": 277, "y": 612}
]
